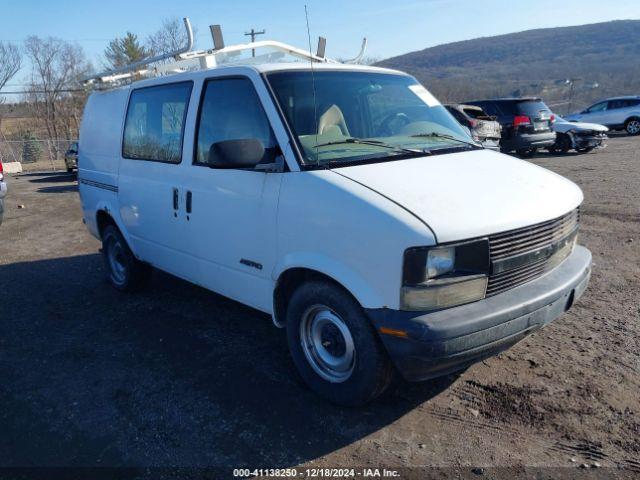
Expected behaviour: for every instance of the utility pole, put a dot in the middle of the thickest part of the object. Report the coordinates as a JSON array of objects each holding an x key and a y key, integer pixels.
[
  {"x": 571, "y": 82},
  {"x": 253, "y": 33}
]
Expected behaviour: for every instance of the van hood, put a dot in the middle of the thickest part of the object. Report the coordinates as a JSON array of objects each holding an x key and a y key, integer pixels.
[{"x": 470, "y": 194}]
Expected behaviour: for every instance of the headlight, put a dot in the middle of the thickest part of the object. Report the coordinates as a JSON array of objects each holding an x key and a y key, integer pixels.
[
  {"x": 440, "y": 261},
  {"x": 444, "y": 276}
]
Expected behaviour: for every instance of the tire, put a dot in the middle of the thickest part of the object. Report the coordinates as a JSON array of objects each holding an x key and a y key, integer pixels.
[
  {"x": 632, "y": 126},
  {"x": 584, "y": 150},
  {"x": 125, "y": 272},
  {"x": 325, "y": 323},
  {"x": 562, "y": 145},
  {"x": 526, "y": 153}
]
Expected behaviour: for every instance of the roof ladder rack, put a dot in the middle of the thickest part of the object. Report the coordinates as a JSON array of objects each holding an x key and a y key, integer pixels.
[{"x": 185, "y": 59}]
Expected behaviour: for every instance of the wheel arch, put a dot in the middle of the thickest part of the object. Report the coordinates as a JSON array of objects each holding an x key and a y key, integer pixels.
[
  {"x": 634, "y": 116},
  {"x": 105, "y": 215},
  {"x": 292, "y": 276}
]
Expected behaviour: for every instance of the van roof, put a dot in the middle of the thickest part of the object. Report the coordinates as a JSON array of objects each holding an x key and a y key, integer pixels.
[{"x": 263, "y": 68}]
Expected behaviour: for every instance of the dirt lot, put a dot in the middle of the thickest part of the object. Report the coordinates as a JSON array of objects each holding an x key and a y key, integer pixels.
[{"x": 179, "y": 377}]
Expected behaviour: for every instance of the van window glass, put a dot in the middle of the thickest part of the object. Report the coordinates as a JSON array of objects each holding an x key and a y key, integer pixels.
[
  {"x": 231, "y": 110},
  {"x": 341, "y": 117},
  {"x": 155, "y": 123}
]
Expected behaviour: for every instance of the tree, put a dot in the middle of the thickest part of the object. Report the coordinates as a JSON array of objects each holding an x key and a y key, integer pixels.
[
  {"x": 124, "y": 51},
  {"x": 10, "y": 61},
  {"x": 31, "y": 148},
  {"x": 169, "y": 38},
  {"x": 55, "y": 95}
]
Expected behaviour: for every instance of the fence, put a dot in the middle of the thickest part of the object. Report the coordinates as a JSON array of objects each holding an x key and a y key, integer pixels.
[{"x": 34, "y": 150}]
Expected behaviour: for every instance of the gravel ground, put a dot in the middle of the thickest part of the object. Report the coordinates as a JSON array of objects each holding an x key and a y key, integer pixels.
[{"x": 178, "y": 377}]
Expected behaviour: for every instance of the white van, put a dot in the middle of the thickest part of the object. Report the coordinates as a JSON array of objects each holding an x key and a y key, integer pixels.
[{"x": 344, "y": 201}]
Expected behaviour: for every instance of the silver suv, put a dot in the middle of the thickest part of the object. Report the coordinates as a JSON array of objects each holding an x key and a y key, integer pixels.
[{"x": 619, "y": 113}]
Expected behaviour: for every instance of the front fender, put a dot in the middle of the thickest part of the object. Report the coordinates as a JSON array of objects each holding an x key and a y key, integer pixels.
[{"x": 363, "y": 292}]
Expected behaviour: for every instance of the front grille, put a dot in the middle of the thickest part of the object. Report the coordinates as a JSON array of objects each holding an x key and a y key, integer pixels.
[{"x": 519, "y": 256}]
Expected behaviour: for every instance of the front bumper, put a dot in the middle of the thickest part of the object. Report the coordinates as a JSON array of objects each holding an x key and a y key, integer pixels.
[
  {"x": 588, "y": 140},
  {"x": 445, "y": 341}
]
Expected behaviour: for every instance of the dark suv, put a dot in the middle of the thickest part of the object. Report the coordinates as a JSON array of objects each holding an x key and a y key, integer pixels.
[{"x": 526, "y": 123}]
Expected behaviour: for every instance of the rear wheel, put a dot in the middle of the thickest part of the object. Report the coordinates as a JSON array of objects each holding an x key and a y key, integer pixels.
[
  {"x": 125, "y": 271},
  {"x": 632, "y": 126},
  {"x": 334, "y": 347}
]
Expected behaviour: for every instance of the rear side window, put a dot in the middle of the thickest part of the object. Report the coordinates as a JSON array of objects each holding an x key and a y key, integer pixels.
[
  {"x": 231, "y": 110},
  {"x": 154, "y": 126},
  {"x": 458, "y": 116},
  {"x": 474, "y": 112}
]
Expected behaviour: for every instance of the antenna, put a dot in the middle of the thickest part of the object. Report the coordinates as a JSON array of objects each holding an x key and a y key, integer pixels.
[{"x": 313, "y": 83}]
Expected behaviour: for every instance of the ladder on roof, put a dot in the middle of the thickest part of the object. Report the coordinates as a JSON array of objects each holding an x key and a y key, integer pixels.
[{"x": 185, "y": 59}]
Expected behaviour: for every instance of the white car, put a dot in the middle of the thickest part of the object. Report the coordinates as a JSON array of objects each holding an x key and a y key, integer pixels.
[
  {"x": 618, "y": 113},
  {"x": 580, "y": 136},
  {"x": 344, "y": 201}
]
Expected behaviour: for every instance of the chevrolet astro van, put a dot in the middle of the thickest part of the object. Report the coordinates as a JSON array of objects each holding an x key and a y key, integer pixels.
[{"x": 344, "y": 201}]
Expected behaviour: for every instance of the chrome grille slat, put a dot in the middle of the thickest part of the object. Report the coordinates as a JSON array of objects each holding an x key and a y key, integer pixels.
[
  {"x": 497, "y": 243},
  {"x": 522, "y": 274},
  {"x": 528, "y": 239},
  {"x": 534, "y": 243}
]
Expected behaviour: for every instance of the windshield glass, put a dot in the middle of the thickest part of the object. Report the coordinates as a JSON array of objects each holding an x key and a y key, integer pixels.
[{"x": 367, "y": 116}]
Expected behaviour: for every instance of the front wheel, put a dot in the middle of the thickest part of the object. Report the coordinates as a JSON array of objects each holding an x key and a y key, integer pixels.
[
  {"x": 632, "y": 126},
  {"x": 562, "y": 145},
  {"x": 334, "y": 347},
  {"x": 584, "y": 149},
  {"x": 526, "y": 153},
  {"x": 125, "y": 271}
]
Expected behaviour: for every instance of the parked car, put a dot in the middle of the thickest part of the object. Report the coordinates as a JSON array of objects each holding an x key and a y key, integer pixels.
[
  {"x": 483, "y": 128},
  {"x": 618, "y": 113},
  {"x": 3, "y": 192},
  {"x": 582, "y": 137},
  {"x": 526, "y": 123},
  {"x": 71, "y": 157},
  {"x": 375, "y": 231}
]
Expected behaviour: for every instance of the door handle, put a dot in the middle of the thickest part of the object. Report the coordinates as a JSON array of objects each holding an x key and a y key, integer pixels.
[
  {"x": 189, "y": 199},
  {"x": 176, "y": 200}
]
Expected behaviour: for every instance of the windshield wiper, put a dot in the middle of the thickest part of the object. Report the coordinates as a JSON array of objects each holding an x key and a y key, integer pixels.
[
  {"x": 376, "y": 143},
  {"x": 448, "y": 137}
]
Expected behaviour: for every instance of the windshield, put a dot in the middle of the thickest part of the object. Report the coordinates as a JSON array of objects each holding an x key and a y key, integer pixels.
[{"x": 366, "y": 116}]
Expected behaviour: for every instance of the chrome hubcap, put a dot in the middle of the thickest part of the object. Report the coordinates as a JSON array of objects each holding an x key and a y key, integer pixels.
[
  {"x": 633, "y": 126},
  {"x": 327, "y": 344},
  {"x": 117, "y": 262}
]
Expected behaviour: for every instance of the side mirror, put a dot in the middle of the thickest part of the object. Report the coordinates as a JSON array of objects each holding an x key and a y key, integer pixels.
[{"x": 244, "y": 153}]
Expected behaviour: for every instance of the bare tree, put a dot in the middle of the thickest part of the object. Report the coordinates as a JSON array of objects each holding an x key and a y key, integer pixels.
[
  {"x": 170, "y": 37},
  {"x": 54, "y": 93},
  {"x": 10, "y": 61}
]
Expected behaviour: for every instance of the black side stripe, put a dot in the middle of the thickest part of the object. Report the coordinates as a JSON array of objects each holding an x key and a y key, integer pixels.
[{"x": 104, "y": 186}]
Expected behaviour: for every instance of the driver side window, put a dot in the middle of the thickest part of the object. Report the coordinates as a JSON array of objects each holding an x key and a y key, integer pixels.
[{"x": 231, "y": 110}]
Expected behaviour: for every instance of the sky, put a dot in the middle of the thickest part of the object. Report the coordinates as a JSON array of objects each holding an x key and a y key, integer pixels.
[{"x": 391, "y": 27}]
